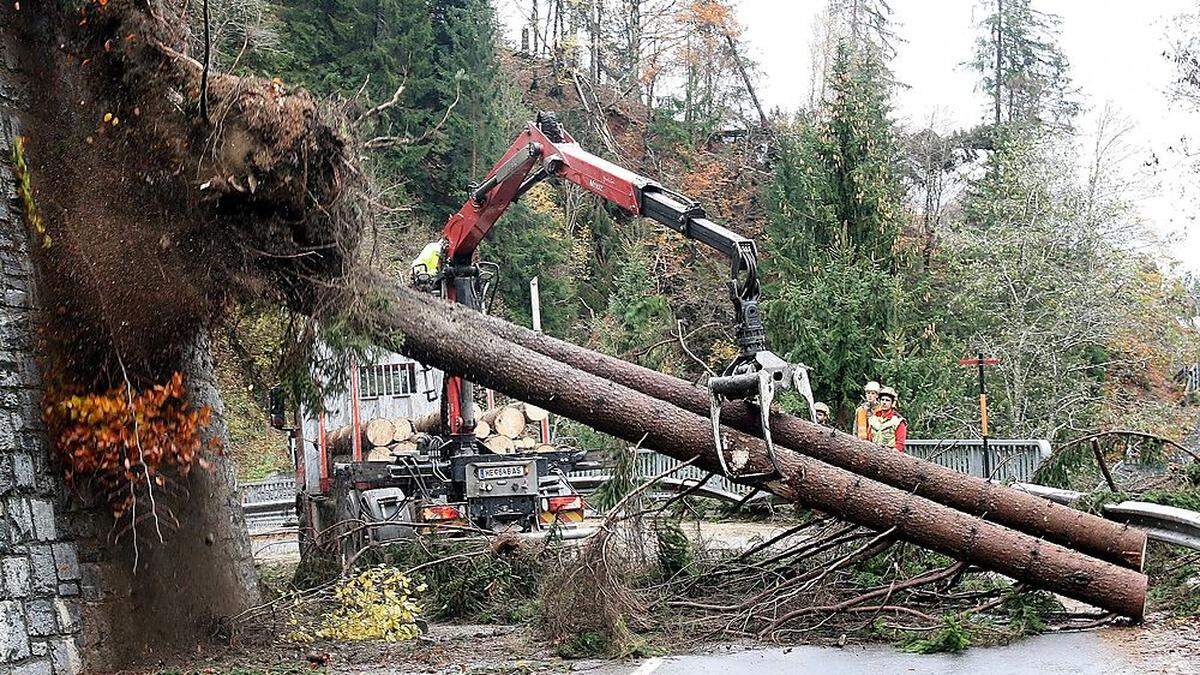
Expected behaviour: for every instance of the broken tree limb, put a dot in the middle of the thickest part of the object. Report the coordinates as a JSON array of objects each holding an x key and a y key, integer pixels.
[
  {"x": 460, "y": 345},
  {"x": 1093, "y": 535}
]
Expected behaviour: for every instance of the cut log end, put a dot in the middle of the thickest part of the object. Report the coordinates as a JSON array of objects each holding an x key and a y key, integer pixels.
[
  {"x": 380, "y": 432},
  {"x": 510, "y": 422},
  {"x": 499, "y": 444}
]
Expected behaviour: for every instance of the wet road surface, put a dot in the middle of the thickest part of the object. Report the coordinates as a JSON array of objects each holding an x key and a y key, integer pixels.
[{"x": 1061, "y": 654}]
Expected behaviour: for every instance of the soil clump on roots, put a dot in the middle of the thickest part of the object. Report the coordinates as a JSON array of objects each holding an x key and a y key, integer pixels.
[{"x": 160, "y": 211}]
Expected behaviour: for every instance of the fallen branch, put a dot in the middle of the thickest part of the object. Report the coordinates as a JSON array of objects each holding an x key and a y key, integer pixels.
[{"x": 921, "y": 580}]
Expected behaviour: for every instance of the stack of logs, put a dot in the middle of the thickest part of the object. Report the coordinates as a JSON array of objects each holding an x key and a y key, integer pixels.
[{"x": 503, "y": 429}]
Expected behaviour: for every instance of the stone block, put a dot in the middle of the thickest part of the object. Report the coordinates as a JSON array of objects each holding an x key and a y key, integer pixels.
[
  {"x": 39, "y": 618},
  {"x": 42, "y": 512},
  {"x": 15, "y": 297},
  {"x": 68, "y": 589},
  {"x": 66, "y": 561},
  {"x": 39, "y": 648},
  {"x": 15, "y": 571},
  {"x": 14, "y": 640},
  {"x": 23, "y": 472},
  {"x": 6, "y": 542},
  {"x": 8, "y": 482},
  {"x": 45, "y": 575},
  {"x": 66, "y": 657},
  {"x": 67, "y": 614},
  {"x": 36, "y": 667},
  {"x": 20, "y": 519}
]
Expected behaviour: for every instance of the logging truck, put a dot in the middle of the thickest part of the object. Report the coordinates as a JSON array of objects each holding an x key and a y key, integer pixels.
[{"x": 375, "y": 464}]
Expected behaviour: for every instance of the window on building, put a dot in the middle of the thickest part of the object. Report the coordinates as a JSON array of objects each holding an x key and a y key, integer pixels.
[{"x": 387, "y": 380}]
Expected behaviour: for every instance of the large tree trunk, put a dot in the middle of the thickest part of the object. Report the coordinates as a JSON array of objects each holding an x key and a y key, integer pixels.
[
  {"x": 461, "y": 345},
  {"x": 1090, "y": 534}
]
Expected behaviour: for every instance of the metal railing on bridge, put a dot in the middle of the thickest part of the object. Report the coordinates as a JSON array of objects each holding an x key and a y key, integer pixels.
[{"x": 1011, "y": 460}]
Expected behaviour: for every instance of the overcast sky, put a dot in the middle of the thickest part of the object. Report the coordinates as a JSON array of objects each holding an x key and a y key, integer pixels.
[{"x": 1114, "y": 46}]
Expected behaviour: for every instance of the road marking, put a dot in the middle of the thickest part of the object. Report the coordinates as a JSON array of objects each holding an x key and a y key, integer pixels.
[{"x": 648, "y": 666}]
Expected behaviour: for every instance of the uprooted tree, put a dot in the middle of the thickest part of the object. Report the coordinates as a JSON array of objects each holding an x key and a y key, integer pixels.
[{"x": 160, "y": 193}]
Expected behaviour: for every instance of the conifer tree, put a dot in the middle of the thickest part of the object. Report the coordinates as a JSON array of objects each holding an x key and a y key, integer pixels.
[
  {"x": 839, "y": 294},
  {"x": 1022, "y": 68}
]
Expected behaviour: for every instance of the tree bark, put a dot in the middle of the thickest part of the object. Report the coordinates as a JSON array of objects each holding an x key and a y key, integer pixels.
[
  {"x": 454, "y": 341},
  {"x": 1115, "y": 542}
]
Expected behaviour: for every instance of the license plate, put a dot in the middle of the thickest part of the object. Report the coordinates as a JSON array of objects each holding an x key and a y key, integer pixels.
[{"x": 495, "y": 472}]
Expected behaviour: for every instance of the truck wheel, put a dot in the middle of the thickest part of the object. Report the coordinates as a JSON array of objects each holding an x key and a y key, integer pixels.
[
  {"x": 352, "y": 536},
  {"x": 305, "y": 528}
]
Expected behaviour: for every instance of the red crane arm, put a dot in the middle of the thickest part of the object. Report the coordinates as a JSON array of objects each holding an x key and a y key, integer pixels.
[
  {"x": 515, "y": 173},
  {"x": 545, "y": 150}
]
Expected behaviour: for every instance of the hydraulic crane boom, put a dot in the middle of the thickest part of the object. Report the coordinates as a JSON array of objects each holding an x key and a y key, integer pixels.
[{"x": 545, "y": 150}]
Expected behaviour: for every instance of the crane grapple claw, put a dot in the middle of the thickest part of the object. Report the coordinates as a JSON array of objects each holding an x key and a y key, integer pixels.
[{"x": 757, "y": 379}]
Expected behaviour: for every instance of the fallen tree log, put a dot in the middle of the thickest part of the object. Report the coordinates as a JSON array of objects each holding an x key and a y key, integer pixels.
[
  {"x": 402, "y": 429},
  {"x": 429, "y": 423},
  {"x": 379, "y": 432},
  {"x": 461, "y": 345},
  {"x": 1093, "y": 535}
]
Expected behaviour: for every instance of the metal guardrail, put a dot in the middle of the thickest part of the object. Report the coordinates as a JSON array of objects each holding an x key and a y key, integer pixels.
[
  {"x": 1011, "y": 459},
  {"x": 1161, "y": 523},
  {"x": 280, "y": 487},
  {"x": 1164, "y": 523},
  {"x": 269, "y": 504}
]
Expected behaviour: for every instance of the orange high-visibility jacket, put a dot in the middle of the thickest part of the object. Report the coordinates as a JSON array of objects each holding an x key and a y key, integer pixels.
[{"x": 862, "y": 424}]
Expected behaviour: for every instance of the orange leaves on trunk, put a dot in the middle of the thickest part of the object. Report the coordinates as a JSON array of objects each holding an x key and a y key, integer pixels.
[{"x": 112, "y": 443}]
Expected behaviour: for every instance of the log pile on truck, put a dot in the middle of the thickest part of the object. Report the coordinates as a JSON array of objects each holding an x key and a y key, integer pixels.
[{"x": 502, "y": 429}]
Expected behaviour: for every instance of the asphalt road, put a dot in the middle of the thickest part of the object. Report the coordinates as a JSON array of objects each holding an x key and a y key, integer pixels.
[{"x": 1062, "y": 654}]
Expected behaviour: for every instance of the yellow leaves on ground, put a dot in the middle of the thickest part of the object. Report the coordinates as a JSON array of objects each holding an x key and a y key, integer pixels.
[{"x": 376, "y": 604}]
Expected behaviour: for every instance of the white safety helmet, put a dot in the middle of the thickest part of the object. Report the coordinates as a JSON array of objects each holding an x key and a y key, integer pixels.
[{"x": 872, "y": 386}]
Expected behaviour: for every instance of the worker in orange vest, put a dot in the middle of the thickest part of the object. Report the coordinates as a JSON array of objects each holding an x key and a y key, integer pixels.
[
  {"x": 888, "y": 428},
  {"x": 862, "y": 416}
]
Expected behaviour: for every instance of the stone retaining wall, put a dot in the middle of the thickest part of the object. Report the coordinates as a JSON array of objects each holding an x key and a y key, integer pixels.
[{"x": 41, "y": 584}]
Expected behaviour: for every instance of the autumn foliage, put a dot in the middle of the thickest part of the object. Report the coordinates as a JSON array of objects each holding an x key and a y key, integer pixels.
[{"x": 113, "y": 442}]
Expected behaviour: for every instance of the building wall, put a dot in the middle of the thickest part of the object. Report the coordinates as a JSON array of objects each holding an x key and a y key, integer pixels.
[
  {"x": 424, "y": 398},
  {"x": 42, "y": 584}
]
